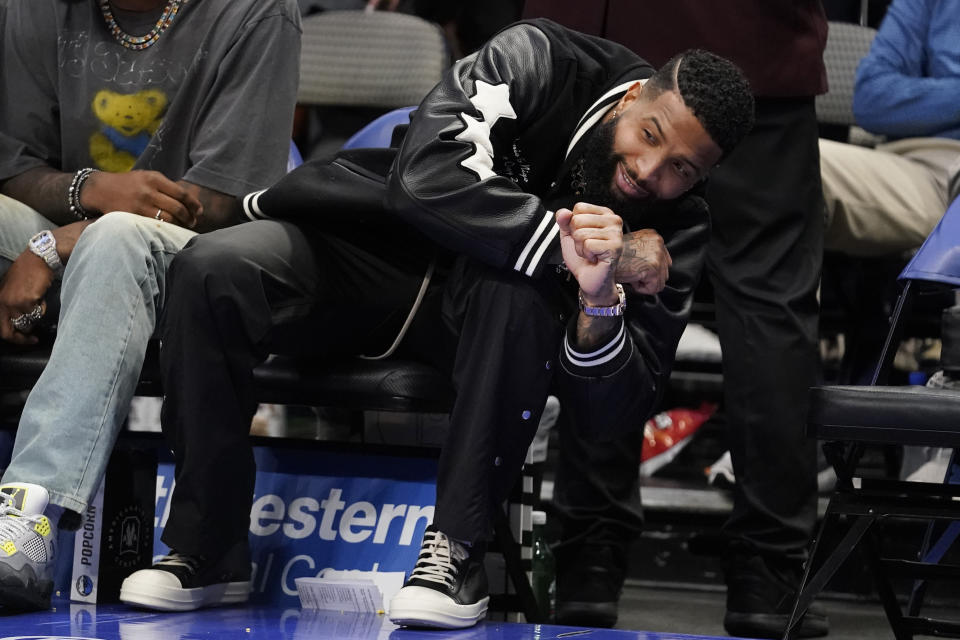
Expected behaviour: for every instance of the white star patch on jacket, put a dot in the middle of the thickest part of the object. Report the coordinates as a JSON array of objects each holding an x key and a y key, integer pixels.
[{"x": 493, "y": 103}]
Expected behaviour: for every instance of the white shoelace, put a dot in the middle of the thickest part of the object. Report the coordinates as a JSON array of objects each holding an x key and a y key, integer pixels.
[
  {"x": 437, "y": 557},
  {"x": 17, "y": 523},
  {"x": 180, "y": 560}
]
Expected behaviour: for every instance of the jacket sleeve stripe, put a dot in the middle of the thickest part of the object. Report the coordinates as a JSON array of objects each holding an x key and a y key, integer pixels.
[
  {"x": 601, "y": 350},
  {"x": 548, "y": 217},
  {"x": 598, "y": 110},
  {"x": 605, "y": 99},
  {"x": 592, "y": 120},
  {"x": 535, "y": 261},
  {"x": 251, "y": 205},
  {"x": 596, "y": 358}
]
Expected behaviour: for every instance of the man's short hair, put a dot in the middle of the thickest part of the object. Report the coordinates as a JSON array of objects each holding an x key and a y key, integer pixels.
[{"x": 714, "y": 89}]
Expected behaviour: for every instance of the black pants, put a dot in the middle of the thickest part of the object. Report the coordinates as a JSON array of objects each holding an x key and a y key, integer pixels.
[
  {"x": 239, "y": 294},
  {"x": 764, "y": 261}
]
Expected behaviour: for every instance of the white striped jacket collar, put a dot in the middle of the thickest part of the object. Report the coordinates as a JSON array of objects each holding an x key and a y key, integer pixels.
[{"x": 599, "y": 109}]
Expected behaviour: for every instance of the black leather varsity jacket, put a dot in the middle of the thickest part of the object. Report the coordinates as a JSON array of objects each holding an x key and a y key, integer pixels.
[{"x": 481, "y": 169}]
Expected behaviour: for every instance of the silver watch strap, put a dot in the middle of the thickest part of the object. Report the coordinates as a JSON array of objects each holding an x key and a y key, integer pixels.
[
  {"x": 613, "y": 310},
  {"x": 44, "y": 246}
]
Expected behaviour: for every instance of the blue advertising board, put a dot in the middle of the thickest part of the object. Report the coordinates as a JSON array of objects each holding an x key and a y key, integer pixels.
[{"x": 324, "y": 510}]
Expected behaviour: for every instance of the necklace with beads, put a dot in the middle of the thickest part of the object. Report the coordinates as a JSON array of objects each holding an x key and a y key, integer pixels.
[{"x": 137, "y": 43}]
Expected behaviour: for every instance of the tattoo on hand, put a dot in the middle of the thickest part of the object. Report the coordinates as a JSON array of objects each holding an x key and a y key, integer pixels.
[
  {"x": 594, "y": 331},
  {"x": 635, "y": 259}
]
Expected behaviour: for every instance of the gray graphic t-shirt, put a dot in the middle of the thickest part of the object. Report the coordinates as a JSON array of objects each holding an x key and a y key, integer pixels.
[{"x": 195, "y": 105}]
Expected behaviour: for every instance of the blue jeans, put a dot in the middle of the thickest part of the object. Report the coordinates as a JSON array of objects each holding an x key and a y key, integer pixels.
[{"x": 110, "y": 298}]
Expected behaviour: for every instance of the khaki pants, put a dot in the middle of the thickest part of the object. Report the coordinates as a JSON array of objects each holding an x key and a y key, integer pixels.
[{"x": 884, "y": 200}]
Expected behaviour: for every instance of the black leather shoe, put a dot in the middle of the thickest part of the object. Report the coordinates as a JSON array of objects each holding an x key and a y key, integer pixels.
[
  {"x": 181, "y": 582},
  {"x": 447, "y": 588},
  {"x": 589, "y": 582},
  {"x": 760, "y": 594}
]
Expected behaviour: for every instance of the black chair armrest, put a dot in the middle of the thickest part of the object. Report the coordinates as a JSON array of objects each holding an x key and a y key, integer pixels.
[{"x": 908, "y": 415}]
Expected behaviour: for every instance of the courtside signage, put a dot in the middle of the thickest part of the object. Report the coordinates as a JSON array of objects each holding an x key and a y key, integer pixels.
[{"x": 323, "y": 512}]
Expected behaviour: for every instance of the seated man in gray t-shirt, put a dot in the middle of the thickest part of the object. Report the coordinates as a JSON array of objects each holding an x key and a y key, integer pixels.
[{"x": 125, "y": 132}]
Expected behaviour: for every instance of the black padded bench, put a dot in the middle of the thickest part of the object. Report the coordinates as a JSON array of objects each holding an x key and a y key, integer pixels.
[{"x": 352, "y": 383}]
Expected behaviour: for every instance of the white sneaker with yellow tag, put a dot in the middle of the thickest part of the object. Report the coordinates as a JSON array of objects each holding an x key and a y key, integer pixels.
[{"x": 27, "y": 547}]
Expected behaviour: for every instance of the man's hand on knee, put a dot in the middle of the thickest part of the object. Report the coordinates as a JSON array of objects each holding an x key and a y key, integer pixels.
[
  {"x": 145, "y": 193},
  {"x": 22, "y": 290}
]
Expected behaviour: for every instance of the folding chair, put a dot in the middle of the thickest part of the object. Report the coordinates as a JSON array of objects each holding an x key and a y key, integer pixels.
[{"x": 850, "y": 417}]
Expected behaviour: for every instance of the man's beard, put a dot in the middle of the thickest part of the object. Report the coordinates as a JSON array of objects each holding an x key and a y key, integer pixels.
[{"x": 599, "y": 165}]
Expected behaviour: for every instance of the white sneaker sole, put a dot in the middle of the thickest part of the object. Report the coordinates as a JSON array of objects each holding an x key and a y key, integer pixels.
[
  {"x": 422, "y": 607},
  {"x": 164, "y": 598}
]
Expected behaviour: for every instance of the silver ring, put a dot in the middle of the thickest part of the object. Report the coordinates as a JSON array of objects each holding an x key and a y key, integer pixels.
[
  {"x": 26, "y": 320},
  {"x": 159, "y": 211},
  {"x": 20, "y": 323}
]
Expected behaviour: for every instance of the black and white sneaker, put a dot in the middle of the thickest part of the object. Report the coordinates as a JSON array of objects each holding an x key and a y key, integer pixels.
[
  {"x": 447, "y": 589},
  {"x": 180, "y": 582}
]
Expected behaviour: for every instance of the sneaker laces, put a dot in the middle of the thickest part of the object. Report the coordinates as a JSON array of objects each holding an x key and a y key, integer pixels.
[
  {"x": 13, "y": 522},
  {"x": 174, "y": 559},
  {"x": 439, "y": 558}
]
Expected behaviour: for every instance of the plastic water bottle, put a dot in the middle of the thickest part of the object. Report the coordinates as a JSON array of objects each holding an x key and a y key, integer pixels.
[{"x": 544, "y": 568}]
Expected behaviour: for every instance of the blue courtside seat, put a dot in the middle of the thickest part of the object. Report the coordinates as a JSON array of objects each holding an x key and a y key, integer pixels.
[
  {"x": 938, "y": 259},
  {"x": 294, "y": 159},
  {"x": 379, "y": 133}
]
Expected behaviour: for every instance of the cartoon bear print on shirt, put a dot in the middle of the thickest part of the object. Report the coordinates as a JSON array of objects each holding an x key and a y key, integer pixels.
[{"x": 128, "y": 122}]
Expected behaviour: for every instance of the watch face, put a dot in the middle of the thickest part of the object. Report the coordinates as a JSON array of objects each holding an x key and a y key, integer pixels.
[
  {"x": 42, "y": 241},
  {"x": 44, "y": 245}
]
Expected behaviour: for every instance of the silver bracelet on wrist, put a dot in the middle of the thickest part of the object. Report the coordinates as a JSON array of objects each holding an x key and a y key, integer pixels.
[
  {"x": 610, "y": 311},
  {"x": 73, "y": 194}
]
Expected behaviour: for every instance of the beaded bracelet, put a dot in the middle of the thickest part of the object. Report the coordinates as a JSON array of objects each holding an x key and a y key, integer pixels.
[{"x": 73, "y": 194}]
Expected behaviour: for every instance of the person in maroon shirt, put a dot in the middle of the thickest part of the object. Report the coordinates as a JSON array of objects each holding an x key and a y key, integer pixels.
[{"x": 764, "y": 263}]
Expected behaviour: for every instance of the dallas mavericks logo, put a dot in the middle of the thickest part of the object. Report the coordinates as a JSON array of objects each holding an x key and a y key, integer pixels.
[{"x": 84, "y": 585}]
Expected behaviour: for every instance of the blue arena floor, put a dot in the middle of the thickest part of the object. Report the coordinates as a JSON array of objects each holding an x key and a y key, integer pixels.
[{"x": 111, "y": 622}]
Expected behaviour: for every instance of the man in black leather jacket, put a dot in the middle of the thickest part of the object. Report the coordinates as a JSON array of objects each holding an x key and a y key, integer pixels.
[{"x": 543, "y": 174}]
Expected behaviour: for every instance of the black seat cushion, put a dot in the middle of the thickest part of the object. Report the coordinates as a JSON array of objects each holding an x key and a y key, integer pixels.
[
  {"x": 390, "y": 385},
  {"x": 911, "y": 415},
  {"x": 351, "y": 383},
  {"x": 20, "y": 367}
]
